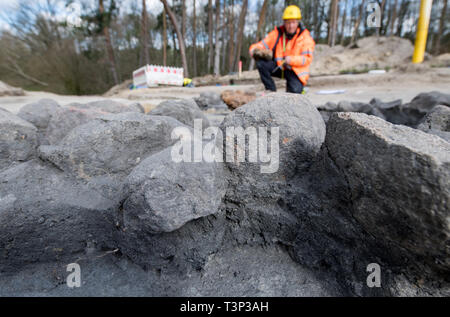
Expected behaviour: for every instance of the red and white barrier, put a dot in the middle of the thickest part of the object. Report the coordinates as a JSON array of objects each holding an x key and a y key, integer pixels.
[{"x": 151, "y": 75}]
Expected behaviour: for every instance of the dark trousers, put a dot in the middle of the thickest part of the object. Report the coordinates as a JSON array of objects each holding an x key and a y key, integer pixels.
[{"x": 266, "y": 72}]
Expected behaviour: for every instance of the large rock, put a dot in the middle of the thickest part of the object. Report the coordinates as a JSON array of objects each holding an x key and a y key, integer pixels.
[
  {"x": 399, "y": 182},
  {"x": 18, "y": 139},
  {"x": 421, "y": 105},
  {"x": 172, "y": 212},
  {"x": 165, "y": 195},
  {"x": 39, "y": 114},
  {"x": 300, "y": 127},
  {"x": 184, "y": 110},
  {"x": 258, "y": 191},
  {"x": 45, "y": 215},
  {"x": 437, "y": 122},
  {"x": 110, "y": 144},
  {"x": 75, "y": 114},
  {"x": 210, "y": 100}
]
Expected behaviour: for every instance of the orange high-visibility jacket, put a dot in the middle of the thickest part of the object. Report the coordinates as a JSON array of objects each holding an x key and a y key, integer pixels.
[{"x": 300, "y": 48}]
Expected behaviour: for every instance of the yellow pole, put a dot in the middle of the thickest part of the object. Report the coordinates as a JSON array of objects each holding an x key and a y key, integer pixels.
[{"x": 422, "y": 31}]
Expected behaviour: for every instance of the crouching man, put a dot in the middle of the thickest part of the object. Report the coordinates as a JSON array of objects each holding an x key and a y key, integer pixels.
[{"x": 286, "y": 53}]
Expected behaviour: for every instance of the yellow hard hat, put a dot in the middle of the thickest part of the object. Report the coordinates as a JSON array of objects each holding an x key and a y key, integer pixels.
[{"x": 292, "y": 13}]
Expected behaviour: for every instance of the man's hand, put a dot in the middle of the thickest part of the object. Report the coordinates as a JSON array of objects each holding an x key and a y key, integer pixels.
[
  {"x": 288, "y": 60},
  {"x": 251, "y": 52}
]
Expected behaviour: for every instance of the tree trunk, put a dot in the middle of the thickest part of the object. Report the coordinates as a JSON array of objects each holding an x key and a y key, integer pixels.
[
  {"x": 194, "y": 43},
  {"x": 218, "y": 42},
  {"x": 109, "y": 47},
  {"x": 179, "y": 35},
  {"x": 329, "y": 19},
  {"x": 174, "y": 50},
  {"x": 225, "y": 35},
  {"x": 335, "y": 21},
  {"x": 437, "y": 42},
  {"x": 358, "y": 22},
  {"x": 164, "y": 38},
  {"x": 259, "y": 29},
  {"x": 210, "y": 35},
  {"x": 231, "y": 36},
  {"x": 240, "y": 35},
  {"x": 316, "y": 22},
  {"x": 394, "y": 17},
  {"x": 383, "y": 4},
  {"x": 401, "y": 16},
  {"x": 144, "y": 58},
  {"x": 344, "y": 18},
  {"x": 183, "y": 18}
]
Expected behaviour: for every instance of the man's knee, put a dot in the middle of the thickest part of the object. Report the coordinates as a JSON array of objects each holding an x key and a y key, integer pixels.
[{"x": 293, "y": 85}]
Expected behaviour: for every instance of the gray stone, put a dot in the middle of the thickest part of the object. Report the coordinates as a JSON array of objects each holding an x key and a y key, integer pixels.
[
  {"x": 437, "y": 122},
  {"x": 346, "y": 106},
  {"x": 171, "y": 218},
  {"x": 412, "y": 113},
  {"x": 110, "y": 144},
  {"x": 425, "y": 102},
  {"x": 18, "y": 140},
  {"x": 45, "y": 216},
  {"x": 399, "y": 181},
  {"x": 210, "y": 100},
  {"x": 75, "y": 114},
  {"x": 165, "y": 195},
  {"x": 255, "y": 200},
  {"x": 301, "y": 132},
  {"x": 136, "y": 107},
  {"x": 184, "y": 110},
  {"x": 39, "y": 114}
]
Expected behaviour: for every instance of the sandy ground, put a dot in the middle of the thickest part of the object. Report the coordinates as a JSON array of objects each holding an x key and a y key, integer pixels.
[{"x": 361, "y": 88}]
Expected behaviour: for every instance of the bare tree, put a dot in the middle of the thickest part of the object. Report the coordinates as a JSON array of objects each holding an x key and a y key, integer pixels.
[
  {"x": 231, "y": 36},
  {"x": 210, "y": 35},
  {"x": 194, "y": 42},
  {"x": 144, "y": 35},
  {"x": 109, "y": 47},
  {"x": 179, "y": 35},
  {"x": 402, "y": 13},
  {"x": 394, "y": 17},
  {"x": 383, "y": 4},
  {"x": 240, "y": 35},
  {"x": 259, "y": 28},
  {"x": 334, "y": 11},
  {"x": 344, "y": 19},
  {"x": 437, "y": 42},
  {"x": 183, "y": 18},
  {"x": 357, "y": 24},
  {"x": 164, "y": 38},
  {"x": 218, "y": 41}
]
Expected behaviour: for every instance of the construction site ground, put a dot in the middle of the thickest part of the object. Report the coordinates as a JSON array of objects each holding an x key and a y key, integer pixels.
[{"x": 358, "y": 87}]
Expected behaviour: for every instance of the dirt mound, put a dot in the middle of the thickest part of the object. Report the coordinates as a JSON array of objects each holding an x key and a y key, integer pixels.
[
  {"x": 370, "y": 53},
  {"x": 6, "y": 90},
  {"x": 442, "y": 60}
]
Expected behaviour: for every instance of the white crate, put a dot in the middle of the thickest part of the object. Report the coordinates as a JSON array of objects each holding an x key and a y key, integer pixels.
[{"x": 151, "y": 75}]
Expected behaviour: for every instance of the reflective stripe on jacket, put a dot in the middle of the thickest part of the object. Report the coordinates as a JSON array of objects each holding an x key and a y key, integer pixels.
[{"x": 300, "y": 48}]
